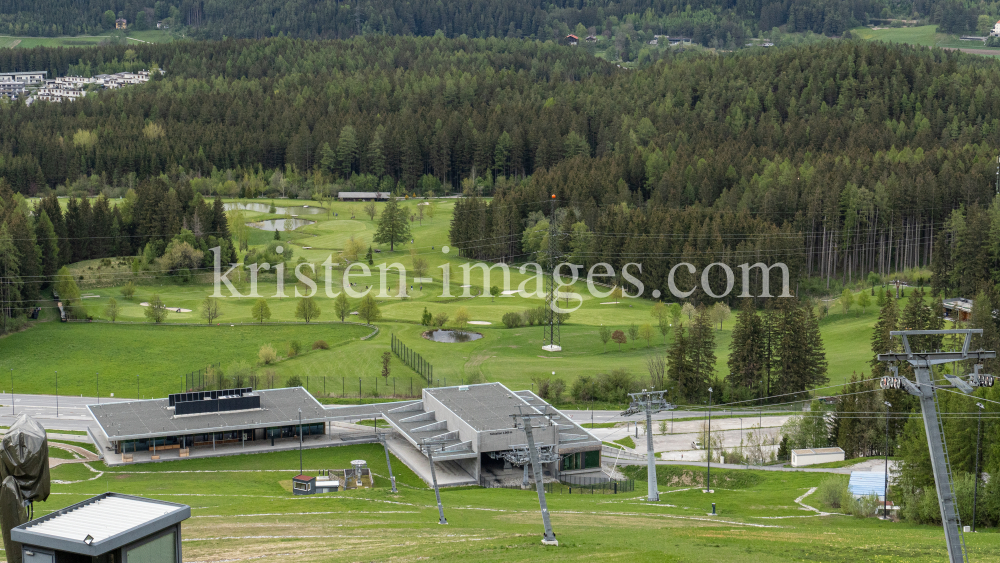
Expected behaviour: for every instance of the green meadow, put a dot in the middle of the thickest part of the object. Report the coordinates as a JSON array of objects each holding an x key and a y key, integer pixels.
[
  {"x": 161, "y": 354},
  {"x": 134, "y": 37},
  {"x": 242, "y": 508}
]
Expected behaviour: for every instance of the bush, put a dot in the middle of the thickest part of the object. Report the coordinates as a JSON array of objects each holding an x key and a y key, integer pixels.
[
  {"x": 320, "y": 345},
  {"x": 611, "y": 387},
  {"x": 294, "y": 381},
  {"x": 513, "y": 320},
  {"x": 267, "y": 355},
  {"x": 294, "y": 347},
  {"x": 833, "y": 490}
]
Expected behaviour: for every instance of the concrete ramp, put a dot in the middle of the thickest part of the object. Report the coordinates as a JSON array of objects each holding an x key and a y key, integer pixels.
[{"x": 449, "y": 473}]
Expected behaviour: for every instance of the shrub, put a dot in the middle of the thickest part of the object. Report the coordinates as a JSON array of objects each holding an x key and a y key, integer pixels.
[
  {"x": 833, "y": 490},
  {"x": 294, "y": 381},
  {"x": 267, "y": 355},
  {"x": 513, "y": 320},
  {"x": 241, "y": 373},
  {"x": 294, "y": 347},
  {"x": 320, "y": 345}
]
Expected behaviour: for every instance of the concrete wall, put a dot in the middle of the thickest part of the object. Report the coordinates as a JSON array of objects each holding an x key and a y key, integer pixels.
[{"x": 800, "y": 460}]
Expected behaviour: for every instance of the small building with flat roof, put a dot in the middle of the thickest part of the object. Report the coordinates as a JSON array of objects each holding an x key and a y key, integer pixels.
[
  {"x": 363, "y": 196},
  {"x": 812, "y": 456},
  {"x": 108, "y": 527}
]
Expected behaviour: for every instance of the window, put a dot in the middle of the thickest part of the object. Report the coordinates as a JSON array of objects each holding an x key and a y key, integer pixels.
[
  {"x": 162, "y": 549},
  {"x": 301, "y": 486}
]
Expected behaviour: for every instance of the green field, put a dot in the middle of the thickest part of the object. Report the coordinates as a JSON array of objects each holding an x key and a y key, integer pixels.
[
  {"x": 162, "y": 354},
  {"x": 925, "y": 35},
  {"x": 135, "y": 37},
  {"x": 242, "y": 509}
]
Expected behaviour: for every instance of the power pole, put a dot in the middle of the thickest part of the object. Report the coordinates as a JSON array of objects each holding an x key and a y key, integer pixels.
[
  {"x": 885, "y": 497},
  {"x": 429, "y": 449},
  {"x": 551, "y": 330},
  {"x": 975, "y": 491},
  {"x": 651, "y": 402},
  {"x": 923, "y": 363},
  {"x": 535, "y": 458}
]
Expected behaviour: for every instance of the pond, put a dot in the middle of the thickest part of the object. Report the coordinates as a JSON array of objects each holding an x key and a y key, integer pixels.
[
  {"x": 452, "y": 335},
  {"x": 280, "y": 224},
  {"x": 266, "y": 208}
]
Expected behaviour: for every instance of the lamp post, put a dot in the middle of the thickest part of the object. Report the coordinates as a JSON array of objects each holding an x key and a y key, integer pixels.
[
  {"x": 57, "y": 394},
  {"x": 300, "y": 441},
  {"x": 98, "y": 388},
  {"x": 885, "y": 497},
  {"x": 137, "y": 386},
  {"x": 975, "y": 490},
  {"x": 708, "y": 445},
  {"x": 12, "y": 391}
]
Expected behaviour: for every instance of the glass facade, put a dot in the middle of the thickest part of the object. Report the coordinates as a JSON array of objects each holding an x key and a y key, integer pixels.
[
  {"x": 582, "y": 460},
  {"x": 218, "y": 438}
]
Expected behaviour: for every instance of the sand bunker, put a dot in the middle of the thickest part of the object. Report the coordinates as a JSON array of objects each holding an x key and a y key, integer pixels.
[{"x": 171, "y": 309}]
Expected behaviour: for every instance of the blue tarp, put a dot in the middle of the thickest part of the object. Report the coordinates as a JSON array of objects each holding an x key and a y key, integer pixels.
[{"x": 865, "y": 483}]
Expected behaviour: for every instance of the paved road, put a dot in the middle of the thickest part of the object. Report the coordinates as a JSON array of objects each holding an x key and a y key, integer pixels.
[
  {"x": 873, "y": 465},
  {"x": 615, "y": 416},
  {"x": 72, "y": 411}
]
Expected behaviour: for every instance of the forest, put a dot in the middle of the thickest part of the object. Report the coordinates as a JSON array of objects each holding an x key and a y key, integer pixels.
[
  {"x": 725, "y": 23},
  {"x": 841, "y": 159}
]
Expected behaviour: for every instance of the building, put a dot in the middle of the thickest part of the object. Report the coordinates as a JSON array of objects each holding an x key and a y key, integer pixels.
[
  {"x": 474, "y": 432},
  {"x": 591, "y": 38},
  {"x": 108, "y": 527},
  {"x": 12, "y": 90},
  {"x": 190, "y": 422},
  {"x": 121, "y": 23},
  {"x": 33, "y": 77},
  {"x": 303, "y": 485},
  {"x": 812, "y": 456},
  {"x": 957, "y": 308},
  {"x": 363, "y": 196},
  {"x": 572, "y": 39}
]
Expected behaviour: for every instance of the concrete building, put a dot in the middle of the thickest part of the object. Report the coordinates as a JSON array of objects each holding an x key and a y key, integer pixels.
[
  {"x": 474, "y": 428},
  {"x": 812, "y": 456},
  {"x": 33, "y": 77}
]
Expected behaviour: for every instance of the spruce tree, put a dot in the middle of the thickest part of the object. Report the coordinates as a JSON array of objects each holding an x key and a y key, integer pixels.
[
  {"x": 45, "y": 236},
  {"x": 701, "y": 355},
  {"x": 393, "y": 225},
  {"x": 679, "y": 368},
  {"x": 747, "y": 351},
  {"x": 10, "y": 278}
]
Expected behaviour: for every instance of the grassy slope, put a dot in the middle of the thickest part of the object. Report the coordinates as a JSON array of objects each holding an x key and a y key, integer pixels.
[
  {"x": 513, "y": 357},
  {"x": 240, "y": 510},
  {"x": 925, "y": 35},
  {"x": 149, "y": 36}
]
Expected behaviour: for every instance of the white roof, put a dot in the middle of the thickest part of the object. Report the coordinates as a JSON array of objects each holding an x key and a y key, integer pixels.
[{"x": 102, "y": 519}]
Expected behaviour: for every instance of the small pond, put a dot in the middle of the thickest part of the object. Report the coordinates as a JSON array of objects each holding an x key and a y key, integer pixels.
[
  {"x": 452, "y": 335},
  {"x": 266, "y": 208},
  {"x": 280, "y": 224}
]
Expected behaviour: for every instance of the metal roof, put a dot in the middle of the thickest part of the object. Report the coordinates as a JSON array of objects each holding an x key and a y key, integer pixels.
[
  {"x": 111, "y": 519},
  {"x": 487, "y": 406},
  {"x": 865, "y": 483},
  {"x": 136, "y": 420},
  {"x": 818, "y": 451}
]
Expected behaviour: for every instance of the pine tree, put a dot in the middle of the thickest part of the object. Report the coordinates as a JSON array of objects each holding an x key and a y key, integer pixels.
[
  {"x": 393, "y": 225},
  {"x": 10, "y": 278},
  {"x": 679, "y": 368},
  {"x": 701, "y": 355},
  {"x": 328, "y": 158},
  {"x": 45, "y": 236},
  {"x": 747, "y": 351},
  {"x": 347, "y": 150}
]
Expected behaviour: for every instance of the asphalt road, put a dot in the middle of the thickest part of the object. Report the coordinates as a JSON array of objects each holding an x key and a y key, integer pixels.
[
  {"x": 71, "y": 413},
  {"x": 615, "y": 416}
]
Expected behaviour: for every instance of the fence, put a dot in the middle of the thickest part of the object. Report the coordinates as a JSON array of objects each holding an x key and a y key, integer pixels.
[
  {"x": 415, "y": 361},
  {"x": 195, "y": 381},
  {"x": 581, "y": 486}
]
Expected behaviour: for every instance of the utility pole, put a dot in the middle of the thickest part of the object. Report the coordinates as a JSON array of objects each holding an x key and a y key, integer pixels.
[
  {"x": 651, "y": 402},
  {"x": 429, "y": 449},
  {"x": 922, "y": 363},
  {"x": 975, "y": 490},
  {"x": 708, "y": 444},
  {"x": 885, "y": 497},
  {"x": 12, "y": 391},
  {"x": 57, "y": 394},
  {"x": 551, "y": 329},
  {"x": 98, "y": 388},
  {"x": 300, "y": 441},
  {"x": 533, "y": 453}
]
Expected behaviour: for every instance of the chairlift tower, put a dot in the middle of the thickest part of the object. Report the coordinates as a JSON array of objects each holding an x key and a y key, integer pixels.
[
  {"x": 429, "y": 445},
  {"x": 382, "y": 437},
  {"x": 522, "y": 420},
  {"x": 651, "y": 402},
  {"x": 924, "y": 388},
  {"x": 551, "y": 335}
]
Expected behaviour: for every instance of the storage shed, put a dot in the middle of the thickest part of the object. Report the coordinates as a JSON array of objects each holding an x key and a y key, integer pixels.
[{"x": 812, "y": 456}]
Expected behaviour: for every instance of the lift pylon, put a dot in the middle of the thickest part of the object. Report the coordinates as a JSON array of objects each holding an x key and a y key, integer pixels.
[{"x": 924, "y": 388}]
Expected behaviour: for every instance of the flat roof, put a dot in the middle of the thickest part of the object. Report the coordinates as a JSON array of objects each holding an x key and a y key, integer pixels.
[
  {"x": 818, "y": 451},
  {"x": 140, "y": 419},
  {"x": 364, "y": 194},
  {"x": 111, "y": 519},
  {"x": 486, "y": 406}
]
